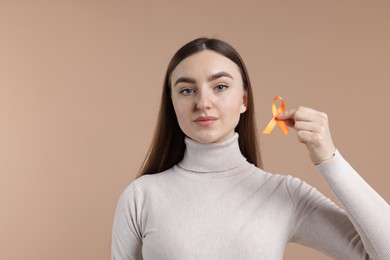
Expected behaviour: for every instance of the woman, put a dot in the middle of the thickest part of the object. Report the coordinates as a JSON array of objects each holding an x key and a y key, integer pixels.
[{"x": 202, "y": 193}]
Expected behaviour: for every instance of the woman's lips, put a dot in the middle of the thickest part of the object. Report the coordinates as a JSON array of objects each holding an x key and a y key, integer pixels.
[{"x": 205, "y": 121}]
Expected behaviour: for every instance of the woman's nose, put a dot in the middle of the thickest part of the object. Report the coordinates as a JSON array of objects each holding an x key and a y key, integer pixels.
[{"x": 204, "y": 100}]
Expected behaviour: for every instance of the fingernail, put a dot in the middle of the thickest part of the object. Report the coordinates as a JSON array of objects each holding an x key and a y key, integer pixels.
[{"x": 280, "y": 116}]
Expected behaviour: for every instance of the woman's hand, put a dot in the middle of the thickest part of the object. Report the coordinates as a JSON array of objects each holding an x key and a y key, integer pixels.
[{"x": 313, "y": 130}]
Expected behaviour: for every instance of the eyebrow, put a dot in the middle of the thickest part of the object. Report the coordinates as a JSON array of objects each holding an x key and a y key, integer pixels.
[
  {"x": 210, "y": 78},
  {"x": 219, "y": 75}
]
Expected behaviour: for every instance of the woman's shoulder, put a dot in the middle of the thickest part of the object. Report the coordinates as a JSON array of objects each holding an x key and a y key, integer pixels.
[
  {"x": 150, "y": 180},
  {"x": 285, "y": 180},
  {"x": 275, "y": 176}
]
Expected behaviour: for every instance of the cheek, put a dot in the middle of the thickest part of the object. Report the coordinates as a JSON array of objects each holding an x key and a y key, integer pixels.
[
  {"x": 235, "y": 106},
  {"x": 181, "y": 110}
]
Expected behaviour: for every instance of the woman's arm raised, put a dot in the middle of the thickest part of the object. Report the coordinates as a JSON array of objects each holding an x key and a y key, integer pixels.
[{"x": 366, "y": 209}]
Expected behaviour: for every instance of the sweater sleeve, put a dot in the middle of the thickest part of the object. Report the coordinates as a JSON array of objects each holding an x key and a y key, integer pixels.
[
  {"x": 361, "y": 230},
  {"x": 366, "y": 209},
  {"x": 126, "y": 231}
]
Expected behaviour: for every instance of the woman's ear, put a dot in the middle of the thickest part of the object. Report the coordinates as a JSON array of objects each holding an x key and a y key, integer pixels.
[{"x": 244, "y": 102}]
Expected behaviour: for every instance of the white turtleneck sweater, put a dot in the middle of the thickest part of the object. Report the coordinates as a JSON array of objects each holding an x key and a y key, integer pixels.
[{"x": 216, "y": 205}]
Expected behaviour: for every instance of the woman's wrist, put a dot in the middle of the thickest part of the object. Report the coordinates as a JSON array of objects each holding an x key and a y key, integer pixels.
[{"x": 326, "y": 159}]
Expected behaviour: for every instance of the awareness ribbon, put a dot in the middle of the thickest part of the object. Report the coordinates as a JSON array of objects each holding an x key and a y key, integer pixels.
[{"x": 274, "y": 120}]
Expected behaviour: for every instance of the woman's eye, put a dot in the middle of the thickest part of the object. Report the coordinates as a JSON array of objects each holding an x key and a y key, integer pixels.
[
  {"x": 186, "y": 91},
  {"x": 221, "y": 87}
]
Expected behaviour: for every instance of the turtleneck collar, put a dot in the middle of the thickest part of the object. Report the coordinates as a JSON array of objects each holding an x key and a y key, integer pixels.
[{"x": 213, "y": 157}]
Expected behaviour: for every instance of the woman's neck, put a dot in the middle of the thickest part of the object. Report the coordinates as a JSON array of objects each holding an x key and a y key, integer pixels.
[{"x": 213, "y": 157}]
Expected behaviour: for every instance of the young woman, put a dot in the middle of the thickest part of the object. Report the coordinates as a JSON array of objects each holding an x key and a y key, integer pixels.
[{"x": 202, "y": 193}]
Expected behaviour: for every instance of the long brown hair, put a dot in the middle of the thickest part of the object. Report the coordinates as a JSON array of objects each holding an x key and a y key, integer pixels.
[{"x": 167, "y": 148}]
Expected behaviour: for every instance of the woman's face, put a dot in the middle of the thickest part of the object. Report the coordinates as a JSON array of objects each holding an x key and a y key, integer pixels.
[{"x": 208, "y": 96}]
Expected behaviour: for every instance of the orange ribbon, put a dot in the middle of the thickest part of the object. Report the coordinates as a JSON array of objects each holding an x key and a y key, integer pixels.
[{"x": 274, "y": 120}]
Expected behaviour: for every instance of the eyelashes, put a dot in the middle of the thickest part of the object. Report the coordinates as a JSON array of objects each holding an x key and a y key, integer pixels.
[
  {"x": 190, "y": 91},
  {"x": 221, "y": 87},
  {"x": 186, "y": 91}
]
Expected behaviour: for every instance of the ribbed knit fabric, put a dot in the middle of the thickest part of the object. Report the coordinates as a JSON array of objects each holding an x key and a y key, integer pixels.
[{"x": 215, "y": 205}]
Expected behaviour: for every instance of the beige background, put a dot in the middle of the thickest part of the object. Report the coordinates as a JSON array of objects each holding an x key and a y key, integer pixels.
[{"x": 80, "y": 84}]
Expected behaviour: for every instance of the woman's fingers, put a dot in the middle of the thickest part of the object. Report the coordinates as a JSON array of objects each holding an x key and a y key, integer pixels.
[{"x": 312, "y": 129}]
